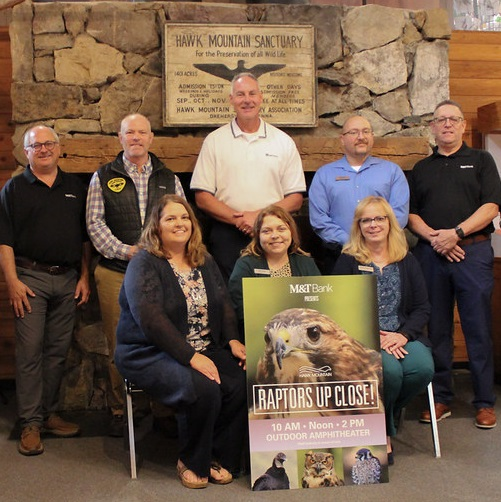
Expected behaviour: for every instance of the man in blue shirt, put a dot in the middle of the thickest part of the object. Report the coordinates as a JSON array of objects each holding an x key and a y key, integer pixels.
[{"x": 338, "y": 187}]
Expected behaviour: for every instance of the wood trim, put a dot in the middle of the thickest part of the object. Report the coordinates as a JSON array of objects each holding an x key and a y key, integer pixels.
[{"x": 84, "y": 154}]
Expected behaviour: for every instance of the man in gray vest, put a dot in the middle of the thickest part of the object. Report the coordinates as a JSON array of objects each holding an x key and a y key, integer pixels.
[{"x": 121, "y": 195}]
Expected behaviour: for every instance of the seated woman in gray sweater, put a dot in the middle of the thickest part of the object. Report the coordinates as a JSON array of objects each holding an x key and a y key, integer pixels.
[{"x": 273, "y": 252}]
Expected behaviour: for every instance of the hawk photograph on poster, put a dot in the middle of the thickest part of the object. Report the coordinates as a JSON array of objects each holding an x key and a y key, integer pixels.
[{"x": 300, "y": 338}]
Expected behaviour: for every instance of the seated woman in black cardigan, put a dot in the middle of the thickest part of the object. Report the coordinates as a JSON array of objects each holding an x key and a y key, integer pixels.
[
  {"x": 177, "y": 339},
  {"x": 274, "y": 251},
  {"x": 378, "y": 246}
]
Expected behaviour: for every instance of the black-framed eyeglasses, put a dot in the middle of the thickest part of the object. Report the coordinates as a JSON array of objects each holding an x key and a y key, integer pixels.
[
  {"x": 367, "y": 222},
  {"x": 454, "y": 120},
  {"x": 356, "y": 132},
  {"x": 49, "y": 145}
]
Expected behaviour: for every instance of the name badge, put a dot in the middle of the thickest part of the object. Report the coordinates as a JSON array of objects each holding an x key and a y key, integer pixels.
[
  {"x": 365, "y": 268},
  {"x": 342, "y": 178},
  {"x": 262, "y": 271}
]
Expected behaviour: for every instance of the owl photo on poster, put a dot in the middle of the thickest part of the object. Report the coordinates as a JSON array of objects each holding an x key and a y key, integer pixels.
[{"x": 319, "y": 470}]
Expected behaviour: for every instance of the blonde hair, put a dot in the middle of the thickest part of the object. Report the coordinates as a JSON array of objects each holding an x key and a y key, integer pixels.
[
  {"x": 356, "y": 246},
  {"x": 254, "y": 247},
  {"x": 150, "y": 240}
]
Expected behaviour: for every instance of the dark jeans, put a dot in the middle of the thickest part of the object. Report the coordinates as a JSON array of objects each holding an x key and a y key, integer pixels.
[{"x": 470, "y": 283}]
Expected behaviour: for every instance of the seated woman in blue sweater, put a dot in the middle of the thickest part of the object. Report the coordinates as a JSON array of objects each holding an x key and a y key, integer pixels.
[
  {"x": 274, "y": 251},
  {"x": 378, "y": 246},
  {"x": 177, "y": 339}
]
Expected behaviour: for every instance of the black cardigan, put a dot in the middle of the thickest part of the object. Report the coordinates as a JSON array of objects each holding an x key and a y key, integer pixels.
[
  {"x": 154, "y": 316},
  {"x": 414, "y": 309}
]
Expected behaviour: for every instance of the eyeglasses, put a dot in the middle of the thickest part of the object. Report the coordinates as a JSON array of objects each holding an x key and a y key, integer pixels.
[
  {"x": 367, "y": 222},
  {"x": 454, "y": 120},
  {"x": 49, "y": 145},
  {"x": 356, "y": 132}
]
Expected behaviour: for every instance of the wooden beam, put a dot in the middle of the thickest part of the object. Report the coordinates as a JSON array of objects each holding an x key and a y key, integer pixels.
[
  {"x": 489, "y": 117},
  {"x": 84, "y": 154}
]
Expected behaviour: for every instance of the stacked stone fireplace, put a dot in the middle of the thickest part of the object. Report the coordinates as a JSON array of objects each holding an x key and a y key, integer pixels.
[{"x": 82, "y": 66}]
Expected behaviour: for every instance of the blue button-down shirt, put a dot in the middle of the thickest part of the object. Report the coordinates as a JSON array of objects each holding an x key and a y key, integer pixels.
[{"x": 337, "y": 189}]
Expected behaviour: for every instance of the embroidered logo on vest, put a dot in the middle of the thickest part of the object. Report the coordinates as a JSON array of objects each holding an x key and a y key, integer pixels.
[{"x": 116, "y": 184}]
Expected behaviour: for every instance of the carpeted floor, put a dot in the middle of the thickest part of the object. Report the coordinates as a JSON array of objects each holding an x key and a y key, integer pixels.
[{"x": 95, "y": 468}]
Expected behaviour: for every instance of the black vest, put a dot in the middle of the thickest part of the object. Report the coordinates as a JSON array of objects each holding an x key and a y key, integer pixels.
[{"x": 121, "y": 204}]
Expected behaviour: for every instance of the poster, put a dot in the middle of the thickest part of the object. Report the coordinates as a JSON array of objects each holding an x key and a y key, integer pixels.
[
  {"x": 200, "y": 61},
  {"x": 314, "y": 377}
]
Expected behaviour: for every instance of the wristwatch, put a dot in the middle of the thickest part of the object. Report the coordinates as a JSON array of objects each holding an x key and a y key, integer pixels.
[{"x": 460, "y": 232}]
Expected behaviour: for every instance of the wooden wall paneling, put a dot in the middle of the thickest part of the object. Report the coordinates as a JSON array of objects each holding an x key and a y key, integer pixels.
[
  {"x": 7, "y": 164},
  {"x": 488, "y": 87},
  {"x": 472, "y": 37},
  {"x": 7, "y": 161},
  {"x": 475, "y": 69},
  {"x": 475, "y": 51}
]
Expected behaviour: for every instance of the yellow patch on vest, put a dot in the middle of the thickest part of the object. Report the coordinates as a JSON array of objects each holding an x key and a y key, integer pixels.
[{"x": 116, "y": 184}]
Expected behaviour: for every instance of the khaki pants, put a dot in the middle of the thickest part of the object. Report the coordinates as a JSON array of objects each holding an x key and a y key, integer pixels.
[{"x": 108, "y": 284}]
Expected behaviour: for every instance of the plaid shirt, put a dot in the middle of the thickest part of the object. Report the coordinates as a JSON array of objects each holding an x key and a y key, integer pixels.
[{"x": 100, "y": 234}]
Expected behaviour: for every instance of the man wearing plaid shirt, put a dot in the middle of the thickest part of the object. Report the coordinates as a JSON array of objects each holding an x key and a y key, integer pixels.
[{"x": 120, "y": 197}]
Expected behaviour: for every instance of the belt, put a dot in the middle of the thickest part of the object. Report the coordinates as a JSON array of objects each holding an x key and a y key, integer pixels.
[
  {"x": 42, "y": 267},
  {"x": 474, "y": 238}
]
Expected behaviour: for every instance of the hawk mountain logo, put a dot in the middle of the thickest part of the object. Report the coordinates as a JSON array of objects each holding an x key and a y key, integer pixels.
[
  {"x": 116, "y": 184},
  {"x": 308, "y": 371}
]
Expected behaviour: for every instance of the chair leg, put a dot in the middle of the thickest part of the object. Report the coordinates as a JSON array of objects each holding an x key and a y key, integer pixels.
[
  {"x": 433, "y": 416},
  {"x": 130, "y": 427}
]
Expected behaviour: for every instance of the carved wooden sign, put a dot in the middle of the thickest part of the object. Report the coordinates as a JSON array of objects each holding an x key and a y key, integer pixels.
[{"x": 201, "y": 60}]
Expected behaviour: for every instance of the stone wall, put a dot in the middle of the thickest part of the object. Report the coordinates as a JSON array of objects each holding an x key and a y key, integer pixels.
[{"x": 82, "y": 66}]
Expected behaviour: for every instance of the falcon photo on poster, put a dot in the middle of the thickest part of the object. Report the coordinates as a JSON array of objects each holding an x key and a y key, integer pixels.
[{"x": 314, "y": 376}]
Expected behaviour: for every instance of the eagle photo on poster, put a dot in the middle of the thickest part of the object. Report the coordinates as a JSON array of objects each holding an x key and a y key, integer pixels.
[{"x": 305, "y": 346}]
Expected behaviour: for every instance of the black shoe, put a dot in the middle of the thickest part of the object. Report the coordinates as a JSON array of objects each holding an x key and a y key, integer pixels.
[{"x": 116, "y": 429}]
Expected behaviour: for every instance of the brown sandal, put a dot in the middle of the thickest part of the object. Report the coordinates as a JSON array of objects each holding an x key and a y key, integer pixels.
[
  {"x": 181, "y": 469},
  {"x": 226, "y": 476}
]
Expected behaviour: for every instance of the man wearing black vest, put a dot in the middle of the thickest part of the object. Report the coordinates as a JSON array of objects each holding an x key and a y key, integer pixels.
[{"x": 121, "y": 194}]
